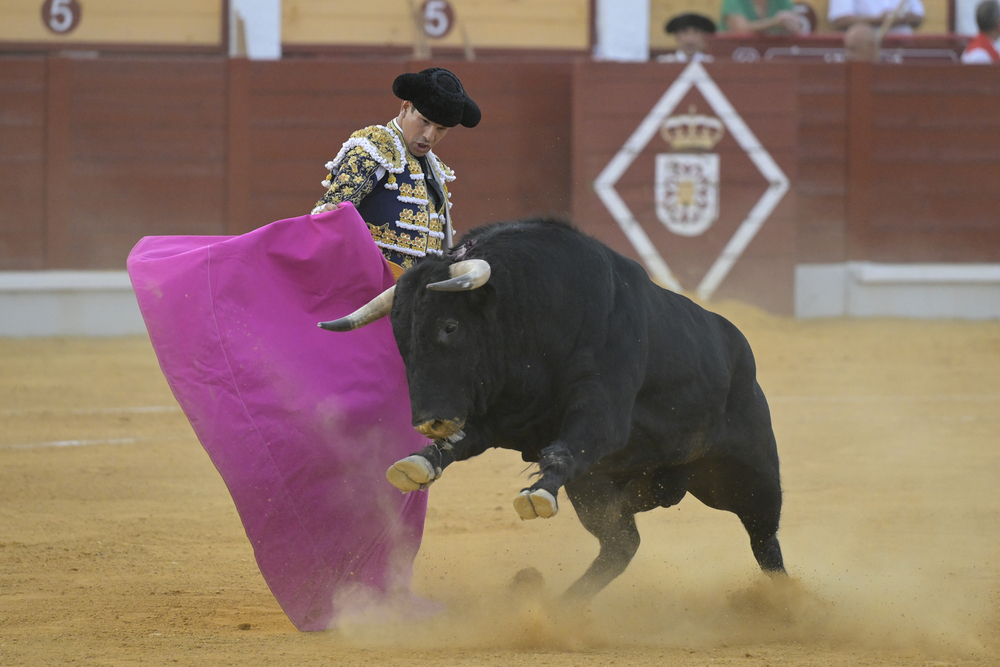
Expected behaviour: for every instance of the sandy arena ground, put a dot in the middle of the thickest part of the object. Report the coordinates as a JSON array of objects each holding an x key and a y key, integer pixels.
[{"x": 119, "y": 544}]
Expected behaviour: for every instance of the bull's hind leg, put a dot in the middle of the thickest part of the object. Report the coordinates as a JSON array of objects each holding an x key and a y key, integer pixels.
[
  {"x": 753, "y": 495},
  {"x": 604, "y": 511}
]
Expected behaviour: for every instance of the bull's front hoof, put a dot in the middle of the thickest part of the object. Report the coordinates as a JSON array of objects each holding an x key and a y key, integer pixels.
[
  {"x": 411, "y": 474},
  {"x": 537, "y": 503}
]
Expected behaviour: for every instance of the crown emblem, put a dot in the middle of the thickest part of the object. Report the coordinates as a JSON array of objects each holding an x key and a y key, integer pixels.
[{"x": 692, "y": 131}]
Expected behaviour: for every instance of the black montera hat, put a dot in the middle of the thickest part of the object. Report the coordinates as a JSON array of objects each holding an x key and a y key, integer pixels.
[
  {"x": 690, "y": 20},
  {"x": 439, "y": 96}
]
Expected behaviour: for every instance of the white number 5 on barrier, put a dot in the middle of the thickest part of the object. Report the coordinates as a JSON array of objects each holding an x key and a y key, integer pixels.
[
  {"x": 61, "y": 16},
  {"x": 438, "y": 18}
]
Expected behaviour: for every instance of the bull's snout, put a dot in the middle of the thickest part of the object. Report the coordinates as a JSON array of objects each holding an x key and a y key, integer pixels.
[{"x": 439, "y": 429}]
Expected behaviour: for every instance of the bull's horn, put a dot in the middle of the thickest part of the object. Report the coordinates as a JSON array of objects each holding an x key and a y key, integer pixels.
[
  {"x": 376, "y": 308},
  {"x": 465, "y": 275}
]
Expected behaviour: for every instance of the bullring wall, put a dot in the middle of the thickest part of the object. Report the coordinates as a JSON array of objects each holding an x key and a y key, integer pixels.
[
  {"x": 886, "y": 164},
  {"x": 97, "y": 153}
]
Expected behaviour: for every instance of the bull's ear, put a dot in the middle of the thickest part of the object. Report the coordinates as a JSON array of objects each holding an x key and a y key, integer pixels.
[{"x": 466, "y": 275}]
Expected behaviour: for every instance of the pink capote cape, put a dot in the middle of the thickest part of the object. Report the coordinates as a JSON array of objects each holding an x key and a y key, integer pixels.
[{"x": 300, "y": 422}]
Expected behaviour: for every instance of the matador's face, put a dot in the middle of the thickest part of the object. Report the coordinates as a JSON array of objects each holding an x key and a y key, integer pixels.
[{"x": 419, "y": 133}]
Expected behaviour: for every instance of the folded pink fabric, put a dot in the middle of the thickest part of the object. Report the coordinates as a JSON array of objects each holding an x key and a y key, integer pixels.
[{"x": 301, "y": 423}]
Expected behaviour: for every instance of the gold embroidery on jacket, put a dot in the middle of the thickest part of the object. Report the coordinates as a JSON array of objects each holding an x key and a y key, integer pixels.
[{"x": 354, "y": 176}]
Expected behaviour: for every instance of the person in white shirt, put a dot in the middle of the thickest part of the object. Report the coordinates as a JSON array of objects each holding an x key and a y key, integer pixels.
[
  {"x": 842, "y": 14},
  {"x": 982, "y": 49},
  {"x": 690, "y": 30}
]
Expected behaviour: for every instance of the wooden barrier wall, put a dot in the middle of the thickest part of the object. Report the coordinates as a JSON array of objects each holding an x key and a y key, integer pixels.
[
  {"x": 821, "y": 187},
  {"x": 512, "y": 25},
  {"x": 22, "y": 163},
  {"x": 923, "y": 165},
  {"x": 489, "y": 24},
  {"x": 888, "y": 163},
  {"x": 898, "y": 164},
  {"x": 128, "y": 147},
  {"x": 97, "y": 153},
  {"x": 192, "y": 26}
]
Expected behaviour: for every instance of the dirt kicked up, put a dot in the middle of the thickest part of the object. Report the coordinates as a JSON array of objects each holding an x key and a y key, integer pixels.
[{"x": 119, "y": 544}]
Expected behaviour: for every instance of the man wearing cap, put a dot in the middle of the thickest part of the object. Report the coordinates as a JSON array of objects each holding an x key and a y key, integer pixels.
[
  {"x": 392, "y": 176},
  {"x": 689, "y": 30}
]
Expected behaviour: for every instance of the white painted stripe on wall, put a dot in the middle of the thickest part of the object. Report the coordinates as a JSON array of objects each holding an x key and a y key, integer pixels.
[
  {"x": 898, "y": 398},
  {"x": 903, "y": 274},
  {"x": 63, "y": 281},
  {"x": 90, "y": 411},
  {"x": 68, "y": 303},
  {"x": 920, "y": 291},
  {"x": 72, "y": 443}
]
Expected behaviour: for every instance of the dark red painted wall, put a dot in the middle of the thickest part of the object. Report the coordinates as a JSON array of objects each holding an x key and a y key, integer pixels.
[{"x": 889, "y": 163}]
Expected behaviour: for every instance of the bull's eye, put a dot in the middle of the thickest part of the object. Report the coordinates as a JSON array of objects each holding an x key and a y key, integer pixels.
[{"x": 447, "y": 330}]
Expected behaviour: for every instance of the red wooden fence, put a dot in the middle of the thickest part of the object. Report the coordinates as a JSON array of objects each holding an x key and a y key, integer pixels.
[{"x": 892, "y": 163}]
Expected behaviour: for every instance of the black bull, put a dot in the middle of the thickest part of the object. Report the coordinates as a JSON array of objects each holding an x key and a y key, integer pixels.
[{"x": 626, "y": 394}]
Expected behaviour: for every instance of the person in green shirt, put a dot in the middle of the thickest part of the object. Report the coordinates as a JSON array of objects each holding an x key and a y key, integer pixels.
[{"x": 770, "y": 17}]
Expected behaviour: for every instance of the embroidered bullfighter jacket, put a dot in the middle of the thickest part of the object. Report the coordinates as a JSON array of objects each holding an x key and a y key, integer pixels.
[{"x": 402, "y": 198}]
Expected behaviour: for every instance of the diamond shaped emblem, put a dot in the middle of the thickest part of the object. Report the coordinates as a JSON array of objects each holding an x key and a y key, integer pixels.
[{"x": 693, "y": 76}]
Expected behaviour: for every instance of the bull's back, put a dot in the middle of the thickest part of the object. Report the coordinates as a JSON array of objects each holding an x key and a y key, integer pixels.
[{"x": 687, "y": 366}]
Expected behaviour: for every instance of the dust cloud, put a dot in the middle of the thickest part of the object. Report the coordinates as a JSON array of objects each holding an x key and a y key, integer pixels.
[{"x": 898, "y": 610}]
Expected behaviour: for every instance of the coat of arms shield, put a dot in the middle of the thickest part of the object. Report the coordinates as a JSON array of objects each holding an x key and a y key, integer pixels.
[{"x": 687, "y": 191}]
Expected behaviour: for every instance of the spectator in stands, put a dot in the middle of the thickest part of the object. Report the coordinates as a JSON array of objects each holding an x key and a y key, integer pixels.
[
  {"x": 690, "y": 31},
  {"x": 392, "y": 177},
  {"x": 770, "y": 17},
  {"x": 906, "y": 14},
  {"x": 861, "y": 43},
  {"x": 982, "y": 49}
]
